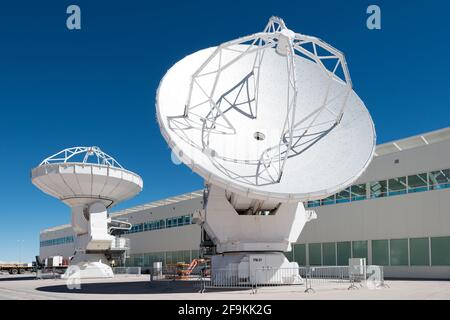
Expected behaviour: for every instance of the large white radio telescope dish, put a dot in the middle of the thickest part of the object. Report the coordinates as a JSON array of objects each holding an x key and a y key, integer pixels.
[{"x": 271, "y": 115}]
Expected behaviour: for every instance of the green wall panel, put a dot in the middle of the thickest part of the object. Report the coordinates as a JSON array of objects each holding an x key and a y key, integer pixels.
[
  {"x": 359, "y": 250},
  {"x": 329, "y": 253},
  {"x": 289, "y": 255},
  {"x": 380, "y": 252},
  {"x": 419, "y": 252},
  {"x": 343, "y": 253},
  {"x": 399, "y": 252},
  {"x": 300, "y": 254},
  {"x": 440, "y": 251},
  {"x": 315, "y": 254}
]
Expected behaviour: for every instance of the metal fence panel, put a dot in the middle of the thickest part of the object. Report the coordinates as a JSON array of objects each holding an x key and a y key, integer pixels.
[
  {"x": 127, "y": 270},
  {"x": 307, "y": 278}
]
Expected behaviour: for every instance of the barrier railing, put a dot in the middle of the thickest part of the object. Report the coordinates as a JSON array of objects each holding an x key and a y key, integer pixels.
[
  {"x": 173, "y": 272},
  {"x": 127, "y": 270},
  {"x": 50, "y": 273},
  {"x": 226, "y": 279},
  {"x": 307, "y": 279}
]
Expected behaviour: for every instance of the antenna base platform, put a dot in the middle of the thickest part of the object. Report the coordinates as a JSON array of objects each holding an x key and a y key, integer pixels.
[{"x": 255, "y": 268}]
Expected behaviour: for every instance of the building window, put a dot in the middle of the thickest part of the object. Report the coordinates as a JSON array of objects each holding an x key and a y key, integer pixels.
[
  {"x": 380, "y": 252},
  {"x": 417, "y": 183},
  {"x": 315, "y": 254},
  {"x": 419, "y": 253},
  {"x": 161, "y": 224},
  {"x": 399, "y": 252},
  {"x": 343, "y": 196},
  {"x": 289, "y": 255},
  {"x": 439, "y": 179},
  {"x": 343, "y": 253},
  {"x": 313, "y": 203},
  {"x": 57, "y": 241},
  {"x": 358, "y": 192},
  {"x": 329, "y": 253},
  {"x": 329, "y": 200},
  {"x": 378, "y": 189},
  {"x": 359, "y": 249},
  {"x": 440, "y": 251},
  {"x": 300, "y": 254},
  {"x": 397, "y": 186}
]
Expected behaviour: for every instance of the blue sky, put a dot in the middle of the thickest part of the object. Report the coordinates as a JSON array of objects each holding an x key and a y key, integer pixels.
[{"x": 96, "y": 86}]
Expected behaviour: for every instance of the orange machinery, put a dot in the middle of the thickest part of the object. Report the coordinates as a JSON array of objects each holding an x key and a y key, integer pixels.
[{"x": 184, "y": 270}]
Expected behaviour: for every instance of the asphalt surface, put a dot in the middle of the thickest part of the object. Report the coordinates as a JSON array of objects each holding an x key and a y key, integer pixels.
[{"x": 139, "y": 287}]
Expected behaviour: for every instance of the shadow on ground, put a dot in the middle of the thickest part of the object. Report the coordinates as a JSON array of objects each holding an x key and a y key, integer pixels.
[
  {"x": 17, "y": 278},
  {"x": 135, "y": 287}
]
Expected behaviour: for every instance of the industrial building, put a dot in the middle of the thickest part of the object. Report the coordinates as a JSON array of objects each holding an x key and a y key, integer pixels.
[{"x": 397, "y": 215}]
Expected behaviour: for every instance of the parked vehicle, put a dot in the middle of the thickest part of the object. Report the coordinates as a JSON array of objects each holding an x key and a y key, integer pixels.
[{"x": 17, "y": 268}]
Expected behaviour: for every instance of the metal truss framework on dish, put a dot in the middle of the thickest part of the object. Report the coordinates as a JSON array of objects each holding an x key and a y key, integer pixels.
[
  {"x": 87, "y": 154},
  {"x": 268, "y": 120},
  {"x": 209, "y": 116},
  {"x": 90, "y": 181}
]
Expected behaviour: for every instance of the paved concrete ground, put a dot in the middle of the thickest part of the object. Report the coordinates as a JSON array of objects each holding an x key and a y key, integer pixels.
[{"x": 139, "y": 287}]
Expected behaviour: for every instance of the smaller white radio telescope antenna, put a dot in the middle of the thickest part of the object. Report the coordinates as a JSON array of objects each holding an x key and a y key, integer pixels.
[
  {"x": 90, "y": 182},
  {"x": 269, "y": 120}
]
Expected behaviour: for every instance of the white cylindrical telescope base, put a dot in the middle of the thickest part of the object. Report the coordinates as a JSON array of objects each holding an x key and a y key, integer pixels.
[{"x": 238, "y": 268}]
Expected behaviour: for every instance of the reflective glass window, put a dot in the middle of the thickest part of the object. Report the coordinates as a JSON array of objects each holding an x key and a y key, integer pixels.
[
  {"x": 397, "y": 186},
  {"x": 378, "y": 189},
  {"x": 417, "y": 182},
  {"x": 300, "y": 254},
  {"x": 359, "y": 249},
  {"x": 343, "y": 253},
  {"x": 315, "y": 254},
  {"x": 312, "y": 204},
  {"x": 329, "y": 253},
  {"x": 419, "y": 252},
  {"x": 440, "y": 253},
  {"x": 343, "y": 196},
  {"x": 329, "y": 200},
  {"x": 380, "y": 252},
  {"x": 399, "y": 252},
  {"x": 358, "y": 192},
  {"x": 439, "y": 179}
]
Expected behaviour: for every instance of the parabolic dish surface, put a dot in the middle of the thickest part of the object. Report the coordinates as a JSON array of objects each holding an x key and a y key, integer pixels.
[
  {"x": 327, "y": 160},
  {"x": 80, "y": 183}
]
